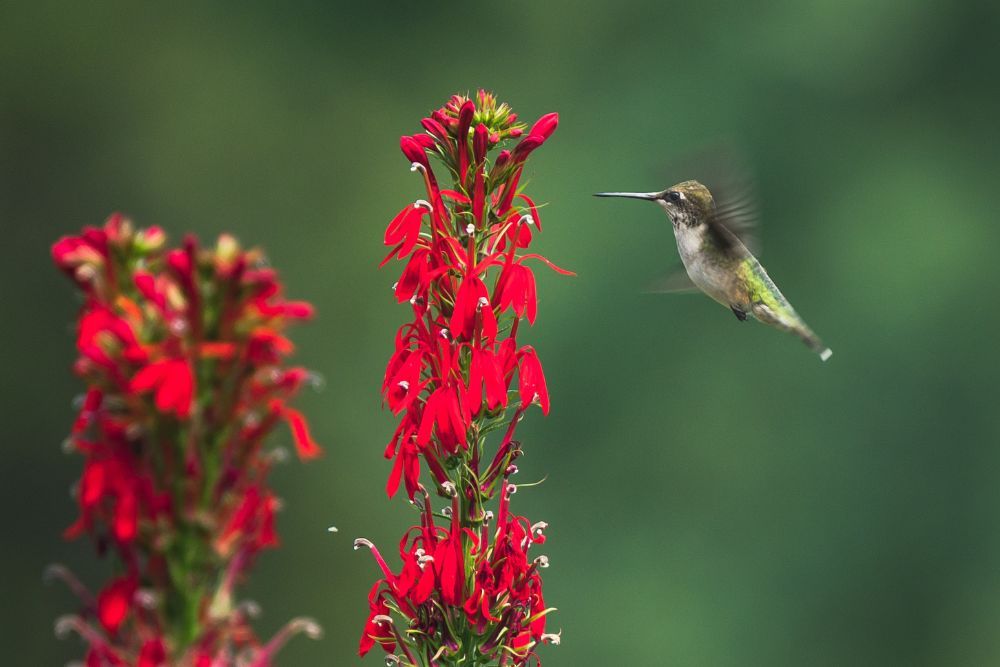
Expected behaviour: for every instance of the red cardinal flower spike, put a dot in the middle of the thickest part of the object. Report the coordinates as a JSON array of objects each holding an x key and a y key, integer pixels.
[
  {"x": 184, "y": 357},
  {"x": 469, "y": 587}
]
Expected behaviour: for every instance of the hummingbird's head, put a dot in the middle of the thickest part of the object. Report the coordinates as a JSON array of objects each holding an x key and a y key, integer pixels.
[{"x": 688, "y": 204}]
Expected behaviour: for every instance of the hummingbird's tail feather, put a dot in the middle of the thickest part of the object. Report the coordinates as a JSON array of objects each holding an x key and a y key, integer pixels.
[{"x": 787, "y": 320}]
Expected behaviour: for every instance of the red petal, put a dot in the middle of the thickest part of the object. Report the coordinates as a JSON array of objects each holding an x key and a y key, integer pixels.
[
  {"x": 304, "y": 444},
  {"x": 114, "y": 602},
  {"x": 126, "y": 517},
  {"x": 549, "y": 264}
]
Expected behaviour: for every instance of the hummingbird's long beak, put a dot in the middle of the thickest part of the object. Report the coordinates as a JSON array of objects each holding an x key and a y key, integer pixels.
[{"x": 631, "y": 195}]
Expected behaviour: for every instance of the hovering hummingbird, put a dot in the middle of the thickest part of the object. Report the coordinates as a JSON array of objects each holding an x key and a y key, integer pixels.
[{"x": 712, "y": 241}]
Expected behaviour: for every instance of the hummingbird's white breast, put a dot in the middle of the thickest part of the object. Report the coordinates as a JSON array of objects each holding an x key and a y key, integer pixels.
[{"x": 703, "y": 267}]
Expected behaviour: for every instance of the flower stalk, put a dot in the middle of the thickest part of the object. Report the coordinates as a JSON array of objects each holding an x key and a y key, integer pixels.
[
  {"x": 468, "y": 591},
  {"x": 183, "y": 355}
]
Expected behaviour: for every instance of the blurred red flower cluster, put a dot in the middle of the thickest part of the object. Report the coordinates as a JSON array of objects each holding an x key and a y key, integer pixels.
[
  {"x": 183, "y": 355},
  {"x": 467, "y": 590}
]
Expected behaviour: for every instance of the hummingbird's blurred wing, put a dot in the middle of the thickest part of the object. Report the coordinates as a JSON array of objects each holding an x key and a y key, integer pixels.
[
  {"x": 734, "y": 219},
  {"x": 735, "y": 213},
  {"x": 672, "y": 283},
  {"x": 726, "y": 172}
]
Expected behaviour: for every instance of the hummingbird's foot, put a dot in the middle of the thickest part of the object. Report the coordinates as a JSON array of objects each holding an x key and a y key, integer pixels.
[{"x": 739, "y": 313}]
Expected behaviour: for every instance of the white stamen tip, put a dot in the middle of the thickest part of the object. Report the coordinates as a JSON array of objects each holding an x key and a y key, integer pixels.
[
  {"x": 483, "y": 302},
  {"x": 315, "y": 380},
  {"x": 414, "y": 166},
  {"x": 251, "y": 608},
  {"x": 542, "y": 561},
  {"x": 395, "y": 285},
  {"x": 85, "y": 273},
  {"x": 363, "y": 542},
  {"x": 537, "y": 529},
  {"x": 382, "y": 618},
  {"x": 65, "y": 625},
  {"x": 404, "y": 384},
  {"x": 146, "y": 598},
  {"x": 825, "y": 354},
  {"x": 449, "y": 488},
  {"x": 470, "y": 229},
  {"x": 527, "y": 219},
  {"x": 332, "y": 529},
  {"x": 422, "y": 202},
  {"x": 552, "y": 638},
  {"x": 311, "y": 628}
]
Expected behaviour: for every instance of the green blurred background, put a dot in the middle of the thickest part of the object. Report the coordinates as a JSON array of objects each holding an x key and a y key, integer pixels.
[{"x": 716, "y": 495}]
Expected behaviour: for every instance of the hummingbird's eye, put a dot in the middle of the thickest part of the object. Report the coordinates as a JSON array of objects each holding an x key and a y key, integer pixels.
[{"x": 674, "y": 196}]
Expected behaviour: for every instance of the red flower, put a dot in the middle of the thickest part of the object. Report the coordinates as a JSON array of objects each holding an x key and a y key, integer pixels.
[
  {"x": 156, "y": 483},
  {"x": 532, "y": 380},
  {"x": 449, "y": 380},
  {"x": 404, "y": 230},
  {"x": 376, "y": 629},
  {"x": 517, "y": 291},
  {"x": 115, "y": 602},
  {"x": 153, "y": 654},
  {"x": 173, "y": 381},
  {"x": 472, "y": 305}
]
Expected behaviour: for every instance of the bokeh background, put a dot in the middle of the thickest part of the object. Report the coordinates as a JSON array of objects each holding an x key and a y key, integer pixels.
[{"x": 716, "y": 495}]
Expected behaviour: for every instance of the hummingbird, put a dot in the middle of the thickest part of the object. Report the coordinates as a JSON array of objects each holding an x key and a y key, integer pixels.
[{"x": 712, "y": 242}]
